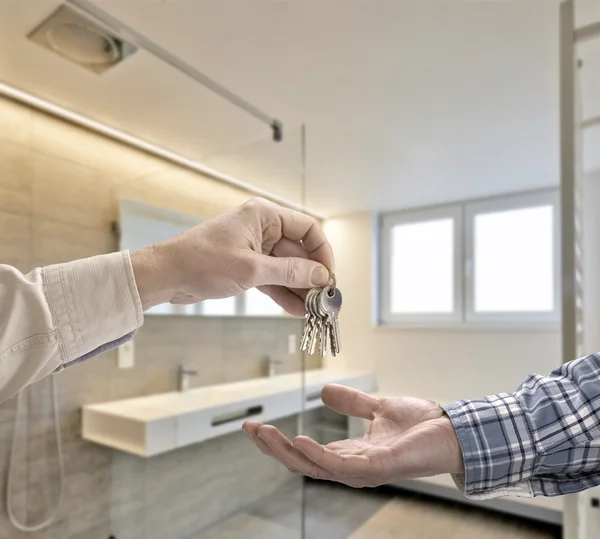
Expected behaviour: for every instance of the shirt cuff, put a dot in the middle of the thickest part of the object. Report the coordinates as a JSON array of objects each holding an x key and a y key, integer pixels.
[
  {"x": 94, "y": 303},
  {"x": 497, "y": 446}
]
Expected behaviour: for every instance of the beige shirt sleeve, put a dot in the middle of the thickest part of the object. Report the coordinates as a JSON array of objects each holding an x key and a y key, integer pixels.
[{"x": 62, "y": 314}]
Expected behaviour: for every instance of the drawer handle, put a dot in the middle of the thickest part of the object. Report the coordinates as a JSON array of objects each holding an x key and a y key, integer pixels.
[
  {"x": 236, "y": 416},
  {"x": 313, "y": 396}
]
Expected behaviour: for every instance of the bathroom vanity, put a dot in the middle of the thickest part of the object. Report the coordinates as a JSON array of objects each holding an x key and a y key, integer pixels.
[{"x": 149, "y": 426}]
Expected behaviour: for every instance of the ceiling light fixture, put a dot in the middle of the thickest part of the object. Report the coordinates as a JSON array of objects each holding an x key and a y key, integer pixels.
[
  {"x": 81, "y": 120},
  {"x": 81, "y": 40}
]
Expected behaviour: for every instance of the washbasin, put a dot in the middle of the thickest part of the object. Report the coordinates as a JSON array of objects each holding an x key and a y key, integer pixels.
[
  {"x": 191, "y": 399},
  {"x": 147, "y": 426}
]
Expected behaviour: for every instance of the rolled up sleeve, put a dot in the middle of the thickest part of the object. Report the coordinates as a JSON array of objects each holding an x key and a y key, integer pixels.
[
  {"x": 59, "y": 315},
  {"x": 543, "y": 440}
]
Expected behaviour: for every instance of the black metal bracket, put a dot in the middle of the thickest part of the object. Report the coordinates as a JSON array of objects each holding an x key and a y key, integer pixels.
[{"x": 277, "y": 127}]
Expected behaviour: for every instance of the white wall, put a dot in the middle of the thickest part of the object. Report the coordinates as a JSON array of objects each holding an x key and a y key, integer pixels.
[{"x": 441, "y": 365}]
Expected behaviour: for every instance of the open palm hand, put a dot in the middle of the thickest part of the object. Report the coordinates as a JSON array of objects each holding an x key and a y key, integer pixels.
[{"x": 407, "y": 438}]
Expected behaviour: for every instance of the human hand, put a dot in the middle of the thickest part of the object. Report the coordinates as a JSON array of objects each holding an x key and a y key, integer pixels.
[
  {"x": 280, "y": 251},
  {"x": 408, "y": 438}
]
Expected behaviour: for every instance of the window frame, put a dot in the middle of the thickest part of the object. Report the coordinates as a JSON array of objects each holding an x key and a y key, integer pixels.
[
  {"x": 464, "y": 315},
  {"x": 499, "y": 205},
  {"x": 387, "y": 222}
]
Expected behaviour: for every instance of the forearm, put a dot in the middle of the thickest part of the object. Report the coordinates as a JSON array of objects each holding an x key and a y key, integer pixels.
[
  {"x": 543, "y": 440},
  {"x": 58, "y": 315}
]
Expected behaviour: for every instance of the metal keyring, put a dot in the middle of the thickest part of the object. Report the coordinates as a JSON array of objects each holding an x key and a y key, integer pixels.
[{"x": 333, "y": 286}]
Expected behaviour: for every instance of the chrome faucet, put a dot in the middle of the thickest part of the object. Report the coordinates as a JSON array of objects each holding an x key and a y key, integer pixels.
[
  {"x": 271, "y": 366},
  {"x": 183, "y": 378}
]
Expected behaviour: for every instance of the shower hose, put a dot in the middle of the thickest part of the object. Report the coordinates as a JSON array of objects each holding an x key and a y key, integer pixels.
[{"x": 12, "y": 468}]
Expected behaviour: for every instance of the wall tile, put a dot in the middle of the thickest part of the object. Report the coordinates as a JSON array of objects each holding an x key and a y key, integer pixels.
[
  {"x": 131, "y": 526},
  {"x": 127, "y": 383},
  {"x": 15, "y": 237},
  {"x": 184, "y": 191},
  {"x": 16, "y": 178},
  {"x": 66, "y": 192},
  {"x": 256, "y": 340},
  {"x": 117, "y": 162},
  {"x": 87, "y": 500},
  {"x": 14, "y": 201},
  {"x": 16, "y": 122},
  {"x": 162, "y": 365},
  {"x": 180, "y": 330},
  {"x": 86, "y": 383},
  {"x": 128, "y": 487},
  {"x": 54, "y": 242}
]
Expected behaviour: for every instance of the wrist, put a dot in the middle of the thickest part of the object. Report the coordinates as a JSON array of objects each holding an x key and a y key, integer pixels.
[
  {"x": 456, "y": 463},
  {"x": 151, "y": 277}
]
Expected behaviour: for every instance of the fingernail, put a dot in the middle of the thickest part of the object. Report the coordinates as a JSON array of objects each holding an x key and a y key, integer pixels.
[{"x": 320, "y": 276}]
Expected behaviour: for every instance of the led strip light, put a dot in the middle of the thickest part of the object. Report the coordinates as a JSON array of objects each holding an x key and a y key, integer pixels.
[{"x": 154, "y": 149}]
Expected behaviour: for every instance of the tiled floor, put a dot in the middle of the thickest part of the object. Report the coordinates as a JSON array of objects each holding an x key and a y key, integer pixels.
[
  {"x": 245, "y": 526},
  {"x": 335, "y": 512}
]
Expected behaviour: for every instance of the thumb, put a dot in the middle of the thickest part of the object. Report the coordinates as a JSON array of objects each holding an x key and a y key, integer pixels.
[
  {"x": 348, "y": 401},
  {"x": 292, "y": 272}
]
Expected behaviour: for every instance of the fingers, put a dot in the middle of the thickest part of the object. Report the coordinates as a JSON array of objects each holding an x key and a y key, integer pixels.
[
  {"x": 293, "y": 225},
  {"x": 285, "y": 298},
  {"x": 285, "y": 248},
  {"x": 251, "y": 430},
  {"x": 292, "y": 455},
  {"x": 337, "y": 464},
  {"x": 348, "y": 401},
  {"x": 289, "y": 272},
  {"x": 274, "y": 444},
  {"x": 288, "y": 455}
]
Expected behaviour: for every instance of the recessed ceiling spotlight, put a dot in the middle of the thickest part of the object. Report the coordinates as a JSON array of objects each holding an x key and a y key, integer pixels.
[{"x": 80, "y": 40}]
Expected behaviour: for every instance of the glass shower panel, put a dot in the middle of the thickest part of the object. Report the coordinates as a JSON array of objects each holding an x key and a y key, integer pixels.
[
  {"x": 149, "y": 436},
  {"x": 194, "y": 474}
]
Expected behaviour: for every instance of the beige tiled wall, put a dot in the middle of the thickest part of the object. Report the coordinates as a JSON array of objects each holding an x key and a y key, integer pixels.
[{"x": 59, "y": 192}]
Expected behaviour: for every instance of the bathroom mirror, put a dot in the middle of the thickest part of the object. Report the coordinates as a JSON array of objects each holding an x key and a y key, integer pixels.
[{"x": 141, "y": 225}]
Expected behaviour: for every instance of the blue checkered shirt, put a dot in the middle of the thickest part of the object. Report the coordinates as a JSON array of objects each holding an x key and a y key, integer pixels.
[{"x": 543, "y": 440}]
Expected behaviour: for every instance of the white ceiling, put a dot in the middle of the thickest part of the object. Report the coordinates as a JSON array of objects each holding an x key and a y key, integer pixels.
[{"x": 406, "y": 102}]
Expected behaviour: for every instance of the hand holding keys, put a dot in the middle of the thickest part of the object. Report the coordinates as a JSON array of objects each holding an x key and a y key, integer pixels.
[{"x": 322, "y": 308}]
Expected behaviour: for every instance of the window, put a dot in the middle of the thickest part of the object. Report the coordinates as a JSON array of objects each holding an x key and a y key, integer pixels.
[
  {"x": 489, "y": 261},
  {"x": 512, "y": 256},
  {"x": 421, "y": 260}
]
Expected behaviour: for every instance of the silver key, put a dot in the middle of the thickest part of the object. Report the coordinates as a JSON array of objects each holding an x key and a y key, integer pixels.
[
  {"x": 320, "y": 320},
  {"x": 305, "y": 333},
  {"x": 324, "y": 337},
  {"x": 331, "y": 335},
  {"x": 309, "y": 324},
  {"x": 316, "y": 322},
  {"x": 331, "y": 303}
]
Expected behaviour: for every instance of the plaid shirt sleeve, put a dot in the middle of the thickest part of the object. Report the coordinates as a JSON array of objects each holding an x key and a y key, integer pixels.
[{"x": 543, "y": 440}]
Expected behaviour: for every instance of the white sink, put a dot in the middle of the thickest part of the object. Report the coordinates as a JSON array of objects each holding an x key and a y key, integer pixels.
[{"x": 148, "y": 426}]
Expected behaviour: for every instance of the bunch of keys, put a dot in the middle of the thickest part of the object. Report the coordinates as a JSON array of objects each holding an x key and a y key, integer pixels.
[{"x": 322, "y": 308}]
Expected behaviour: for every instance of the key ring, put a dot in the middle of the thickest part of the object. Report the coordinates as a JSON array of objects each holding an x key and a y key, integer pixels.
[{"x": 333, "y": 286}]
